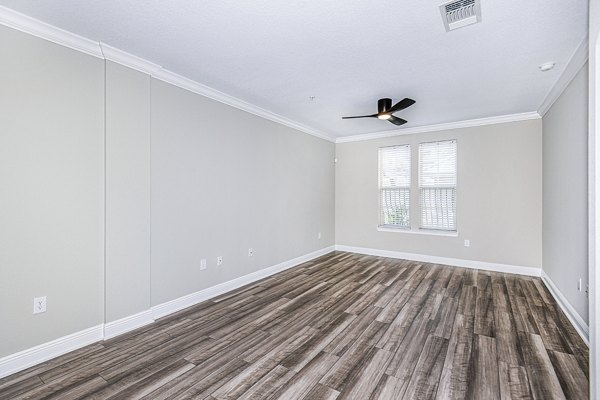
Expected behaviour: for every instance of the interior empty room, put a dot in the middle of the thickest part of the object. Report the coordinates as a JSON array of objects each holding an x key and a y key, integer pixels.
[{"x": 309, "y": 200}]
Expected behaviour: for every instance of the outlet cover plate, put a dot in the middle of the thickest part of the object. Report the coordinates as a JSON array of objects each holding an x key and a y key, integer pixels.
[{"x": 39, "y": 304}]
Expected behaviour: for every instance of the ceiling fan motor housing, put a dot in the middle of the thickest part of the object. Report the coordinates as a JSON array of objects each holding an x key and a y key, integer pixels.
[{"x": 383, "y": 105}]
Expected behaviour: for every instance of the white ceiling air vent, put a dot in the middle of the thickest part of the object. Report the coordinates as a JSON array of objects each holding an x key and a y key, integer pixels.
[{"x": 459, "y": 13}]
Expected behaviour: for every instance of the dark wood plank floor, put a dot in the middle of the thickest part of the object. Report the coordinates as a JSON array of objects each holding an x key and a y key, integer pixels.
[{"x": 343, "y": 326}]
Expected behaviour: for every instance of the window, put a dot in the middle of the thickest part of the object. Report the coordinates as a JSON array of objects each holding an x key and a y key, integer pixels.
[
  {"x": 394, "y": 187},
  {"x": 437, "y": 185}
]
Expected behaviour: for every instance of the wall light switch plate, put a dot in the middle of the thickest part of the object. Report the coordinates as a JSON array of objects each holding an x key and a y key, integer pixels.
[
  {"x": 203, "y": 264},
  {"x": 319, "y": 235},
  {"x": 467, "y": 243},
  {"x": 39, "y": 305}
]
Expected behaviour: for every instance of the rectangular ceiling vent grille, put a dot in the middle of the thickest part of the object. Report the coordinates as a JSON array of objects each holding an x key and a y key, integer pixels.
[{"x": 459, "y": 13}]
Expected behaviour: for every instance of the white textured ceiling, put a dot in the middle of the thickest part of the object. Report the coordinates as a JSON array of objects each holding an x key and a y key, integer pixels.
[{"x": 276, "y": 54}]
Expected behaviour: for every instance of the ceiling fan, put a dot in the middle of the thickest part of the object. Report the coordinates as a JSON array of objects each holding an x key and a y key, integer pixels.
[{"x": 385, "y": 110}]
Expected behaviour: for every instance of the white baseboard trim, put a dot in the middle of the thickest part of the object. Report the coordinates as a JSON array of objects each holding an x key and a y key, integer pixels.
[
  {"x": 488, "y": 266},
  {"x": 123, "y": 325},
  {"x": 580, "y": 326},
  {"x": 172, "y": 306},
  {"x": 46, "y": 351}
]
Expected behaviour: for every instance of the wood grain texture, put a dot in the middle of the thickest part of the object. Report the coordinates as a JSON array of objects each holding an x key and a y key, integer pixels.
[
  {"x": 484, "y": 370},
  {"x": 343, "y": 326}
]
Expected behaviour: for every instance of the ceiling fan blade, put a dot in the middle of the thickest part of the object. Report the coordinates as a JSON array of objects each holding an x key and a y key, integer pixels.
[
  {"x": 362, "y": 116},
  {"x": 396, "y": 120},
  {"x": 402, "y": 104}
]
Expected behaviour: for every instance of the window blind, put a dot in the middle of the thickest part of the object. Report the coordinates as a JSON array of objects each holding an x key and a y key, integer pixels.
[
  {"x": 437, "y": 185},
  {"x": 394, "y": 186}
]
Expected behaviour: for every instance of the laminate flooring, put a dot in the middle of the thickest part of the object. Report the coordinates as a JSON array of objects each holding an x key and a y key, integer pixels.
[{"x": 343, "y": 326}]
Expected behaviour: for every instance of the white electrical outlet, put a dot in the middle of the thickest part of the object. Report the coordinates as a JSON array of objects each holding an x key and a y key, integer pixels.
[
  {"x": 467, "y": 243},
  {"x": 250, "y": 252},
  {"x": 319, "y": 235},
  {"x": 219, "y": 260},
  {"x": 203, "y": 264},
  {"x": 39, "y": 305}
]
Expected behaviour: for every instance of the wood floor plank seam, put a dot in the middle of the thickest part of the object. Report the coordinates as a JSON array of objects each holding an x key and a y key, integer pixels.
[{"x": 342, "y": 326}]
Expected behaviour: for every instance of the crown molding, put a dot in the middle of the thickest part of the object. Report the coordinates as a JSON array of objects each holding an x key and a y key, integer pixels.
[
  {"x": 576, "y": 62},
  {"x": 128, "y": 60},
  {"x": 156, "y": 71},
  {"x": 206, "y": 91},
  {"x": 32, "y": 26},
  {"x": 24, "y": 23},
  {"x": 442, "y": 127}
]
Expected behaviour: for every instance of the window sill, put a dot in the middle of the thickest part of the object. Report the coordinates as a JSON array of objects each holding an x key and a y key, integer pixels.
[{"x": 418, "y": 232}]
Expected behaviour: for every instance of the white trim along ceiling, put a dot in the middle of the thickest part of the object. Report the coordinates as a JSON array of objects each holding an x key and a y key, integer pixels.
[{"x": 24, "y": 23}]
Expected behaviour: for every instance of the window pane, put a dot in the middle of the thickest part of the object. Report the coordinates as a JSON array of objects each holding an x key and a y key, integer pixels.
[
  {"x": 438, "y": 208},
  {"x": 437, "y": 183},
  {"x": 395, "y": 204},
  {"x": 394, "y": 166},
  {"x": 394, "y": 186},
  {"x": 437, "y": 164}
]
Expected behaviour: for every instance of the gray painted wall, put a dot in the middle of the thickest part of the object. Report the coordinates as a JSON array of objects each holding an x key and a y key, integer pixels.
[
  {"x": 217, "y": 181},
  {"x": 223, "y": 181},
  {"x": 565, "y": 212},
  {"x": 499, "y": 195},
  {"x": 127, "y": 191},
  {"x": 594, "y": 196},
  {"x": 52, "y": 184}
]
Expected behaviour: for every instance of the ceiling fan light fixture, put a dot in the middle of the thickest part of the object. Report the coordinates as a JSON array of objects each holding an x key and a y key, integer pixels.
[{"x": 385, "y": 111}]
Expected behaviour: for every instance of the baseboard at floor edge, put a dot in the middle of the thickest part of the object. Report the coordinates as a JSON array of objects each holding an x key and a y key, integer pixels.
[
  {"x": 35, "y": 355},
  {"x": 129, "y": 323},
  {"x": 580, "y": 326},
  {"x": 189, "y": 300},
  {"x": 457, "y": 262}
]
